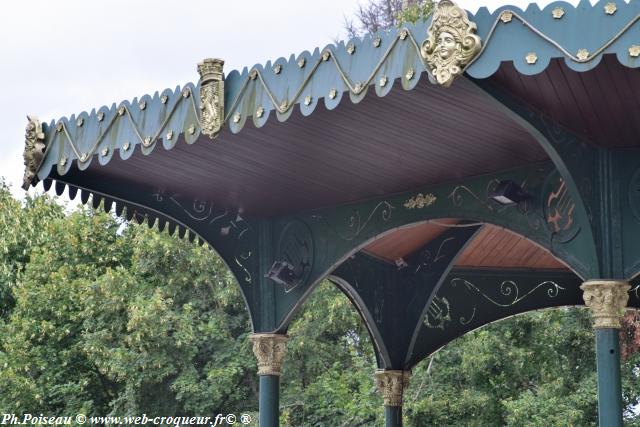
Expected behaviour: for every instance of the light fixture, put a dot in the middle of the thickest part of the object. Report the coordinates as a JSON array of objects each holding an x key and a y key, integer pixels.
[
  {"x": 284, "y": 274},
  {"x": 508, "y": 193}
]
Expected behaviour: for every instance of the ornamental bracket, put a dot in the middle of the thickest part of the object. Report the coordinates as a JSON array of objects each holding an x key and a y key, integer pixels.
[
  {"x": 34, "y": 148},
  {"x": 211, "y": 96},
  {"x": 451, "y": 44}
]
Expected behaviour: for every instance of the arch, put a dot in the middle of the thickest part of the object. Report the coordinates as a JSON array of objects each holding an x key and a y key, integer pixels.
[
  {"x": 340, "y": 232},
  {"x": 373, "y": 287},
  {"x": 353, "y": 296},
  {"x": 387, "y": 275},
  {"x": 341, "y": 251}
]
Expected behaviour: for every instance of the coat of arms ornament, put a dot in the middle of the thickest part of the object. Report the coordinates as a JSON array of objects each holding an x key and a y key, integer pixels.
[
  {"x": 451, "y": 42},
  {"x": 211, "y": 96},
  {"x": 33, "y": 150}
]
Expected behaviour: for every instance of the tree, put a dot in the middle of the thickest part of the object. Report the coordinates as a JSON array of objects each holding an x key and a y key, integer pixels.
[
  {"x": 383, "y": 14},
  {"x": 113, "y": 318}
]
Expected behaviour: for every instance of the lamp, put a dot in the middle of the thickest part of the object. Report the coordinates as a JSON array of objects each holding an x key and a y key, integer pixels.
[
  {"x": 284, "y": 274},
  {"x": 508, "y": 193}
]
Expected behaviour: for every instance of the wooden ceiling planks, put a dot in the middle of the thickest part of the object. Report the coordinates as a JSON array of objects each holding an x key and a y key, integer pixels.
[
  {"x": 402, "y": 141},
  {"x": 600, "y": 104},
  {"x": 492, "y": 247}
]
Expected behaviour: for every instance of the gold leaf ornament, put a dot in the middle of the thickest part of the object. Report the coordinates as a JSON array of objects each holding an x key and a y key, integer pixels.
[
  {"x": 420, "y": 201},
  {"x": 211, "y": 96}
]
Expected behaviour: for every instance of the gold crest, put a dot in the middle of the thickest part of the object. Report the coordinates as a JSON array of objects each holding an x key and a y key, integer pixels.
[
  {"x": 451, "y": 42},
  {"x": 211, "y": 96},
  {"x": 33, "y": 150}
]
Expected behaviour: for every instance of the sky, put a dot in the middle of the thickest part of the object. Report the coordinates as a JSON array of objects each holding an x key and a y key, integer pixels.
[{"x": 66, "y": 56}]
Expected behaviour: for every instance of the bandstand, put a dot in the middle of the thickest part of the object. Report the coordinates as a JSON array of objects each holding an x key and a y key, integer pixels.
[{"x": 444, "y": 175}]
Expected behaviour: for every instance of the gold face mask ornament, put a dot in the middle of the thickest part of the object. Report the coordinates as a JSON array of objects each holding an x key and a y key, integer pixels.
[{"x": 451, "y": 43}]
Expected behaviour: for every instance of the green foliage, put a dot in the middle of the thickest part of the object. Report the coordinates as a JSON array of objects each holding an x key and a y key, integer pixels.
[
  {"x": 414, "y": 12},
  {"x": 377, "y": 15},
  {"x": 536, "y": 369},
  {"x": 328, "y": 375},
  {"x": 22, "y": 232},
  {"x": 104, "y": 320}
]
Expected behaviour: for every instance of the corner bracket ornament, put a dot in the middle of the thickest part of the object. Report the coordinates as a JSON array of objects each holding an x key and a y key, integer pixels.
[
  {"x": 211, "y": 96},
  {"x": 451, "y": 42},
  {"x": 607, "y": 300},
  {"x": 34, "y": 147},
  {"x": 391, "y": 385},
  {"x": 269, "y": 349}
]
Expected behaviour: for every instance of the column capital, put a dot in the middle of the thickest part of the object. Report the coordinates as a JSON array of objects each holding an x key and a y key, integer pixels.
[
  {"x": 607, "y": 300},
  {"x": 391, "y": 384},
  {"x": 269, "y": 349}
]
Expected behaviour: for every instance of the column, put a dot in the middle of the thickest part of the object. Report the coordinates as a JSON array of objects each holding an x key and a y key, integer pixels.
[
  {"x": 391, "y": 384},
  {"x": 607, "y": 300},
  {"x": 269, "y": 349}
]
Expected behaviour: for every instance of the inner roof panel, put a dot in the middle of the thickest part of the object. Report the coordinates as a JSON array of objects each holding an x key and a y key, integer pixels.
[
  {"x": 492, "y": 247},
  {"x": 601, "y": 105},
  {"x": 380, "y": 146}
]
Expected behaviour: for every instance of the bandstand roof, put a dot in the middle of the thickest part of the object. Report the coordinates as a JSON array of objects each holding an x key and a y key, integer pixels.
[{"x": 362, "y": 119}]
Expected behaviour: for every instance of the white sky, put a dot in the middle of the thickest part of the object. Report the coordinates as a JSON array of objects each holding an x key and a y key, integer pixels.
[{"x": 67, "y": 56}]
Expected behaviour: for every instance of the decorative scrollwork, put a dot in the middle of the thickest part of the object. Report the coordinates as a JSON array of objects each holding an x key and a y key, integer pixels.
[
  {"x": 33, "y": 150},
  {"x": 124, "y": 114},
  {"x": 451, "y": 43},
  {"x": 509, "y": 288},
  {"x": 457, "y": 196},
  {"x": 426, "y": 258},
  {"x": 559, "y": 210},
  {"x": 439, "y": 311},
  {"x": 355, "y": 224},
  {"x": 211, "y": 96},
  {"x": 231, "y": 225}
]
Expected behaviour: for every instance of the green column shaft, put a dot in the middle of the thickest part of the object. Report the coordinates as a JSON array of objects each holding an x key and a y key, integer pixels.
[
  {"x": 269, "y": 402},
  {"x": 393, "y": 416},
  {"x": 609, "y": 386}
]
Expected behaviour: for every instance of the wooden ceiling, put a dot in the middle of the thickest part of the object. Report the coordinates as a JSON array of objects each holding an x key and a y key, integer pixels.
[
  {"x": 601, "y": 105},
  {"x": 492, "y": 247},
  {"x": 396, "y": 143}
]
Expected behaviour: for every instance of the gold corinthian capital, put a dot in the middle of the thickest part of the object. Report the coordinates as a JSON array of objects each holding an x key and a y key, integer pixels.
[
  {"x": 607, "y": 300},
  {"x": 270, "y": 350},
  {"x": 391, "y": 384}
]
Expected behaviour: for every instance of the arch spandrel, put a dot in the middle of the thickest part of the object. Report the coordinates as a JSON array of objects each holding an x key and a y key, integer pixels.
[
  {"x": 470, "y": 299},
  {"x": 231, "y": 236},
  {"x": 392, "y": 298}
]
